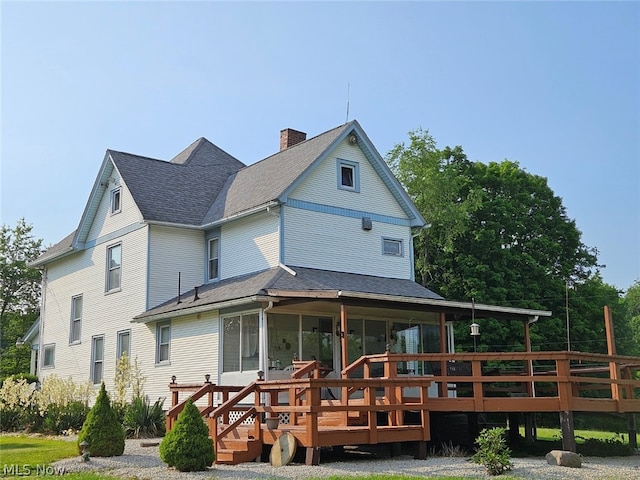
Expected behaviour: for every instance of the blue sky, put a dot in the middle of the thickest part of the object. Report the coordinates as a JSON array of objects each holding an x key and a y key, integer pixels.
[{"x": 552, "y": 85}]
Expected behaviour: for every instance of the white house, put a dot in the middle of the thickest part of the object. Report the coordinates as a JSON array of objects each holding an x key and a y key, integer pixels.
[{"x": 202, "y": 265}]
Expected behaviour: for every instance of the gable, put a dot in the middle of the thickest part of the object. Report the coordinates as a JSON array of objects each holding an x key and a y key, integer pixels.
[{"x": 320, "y": 186}]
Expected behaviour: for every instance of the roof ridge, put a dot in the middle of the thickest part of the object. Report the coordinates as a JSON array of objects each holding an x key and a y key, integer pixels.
[
  {"x": 111, "y": 150},
  {"x": 299, "y": 144}
]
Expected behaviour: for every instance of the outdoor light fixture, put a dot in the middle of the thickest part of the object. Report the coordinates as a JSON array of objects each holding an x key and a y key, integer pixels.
[{"x": 475, "y": 332}]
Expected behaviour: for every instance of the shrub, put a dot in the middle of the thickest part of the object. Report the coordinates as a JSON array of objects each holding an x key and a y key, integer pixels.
[
  {"x": 187, "y": 446},
  {"x": 610, "y": 447},
  {"x": 493, "y": 452},
  {"x": 16, "y": 402},
  {"x": 101, "y": 429},
  {"x": 61, "y": 419},
  {"x": 143, "y": 420}
]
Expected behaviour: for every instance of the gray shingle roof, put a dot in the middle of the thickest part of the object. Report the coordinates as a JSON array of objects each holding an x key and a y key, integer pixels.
[
  {"x": 277, "y": 281},
  {"x": 180, "y": 191},
  {"x": 267, "y": 179},
  {"x": 55, "y": 250}
]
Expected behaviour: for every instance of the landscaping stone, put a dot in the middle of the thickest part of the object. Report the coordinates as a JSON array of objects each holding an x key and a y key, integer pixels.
[{"x": 563, "y": 458}]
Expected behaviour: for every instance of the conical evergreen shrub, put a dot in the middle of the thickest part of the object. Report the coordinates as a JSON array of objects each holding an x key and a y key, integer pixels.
[
  {"x": 187, "y": 446},
  {"x": 101, "y": 429}
]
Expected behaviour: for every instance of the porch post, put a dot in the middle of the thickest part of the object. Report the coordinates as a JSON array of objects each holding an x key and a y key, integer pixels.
[
  {"x": 529, "y": 420},
  {"x": 614, "y": 369},
  {"x": 442, "y": 386},
  {"x": 343, "y": 337}
]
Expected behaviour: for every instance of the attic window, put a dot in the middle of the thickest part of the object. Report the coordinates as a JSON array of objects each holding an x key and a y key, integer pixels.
[
  {"x": 348, "y": 175},
  {"x": 116, "y": 201},
  {"x": 392, "y": 246}
]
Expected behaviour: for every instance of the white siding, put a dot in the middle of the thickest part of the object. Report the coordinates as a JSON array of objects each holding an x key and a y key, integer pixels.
[
  {"x": 322, "y": 186},
  {"x": 250, "y": 245},
  {"x": 194, "y": 353},
  {"x": 104, "y": 222},
  {"x": 174, "y": 250},
  {"x": 103, "y": 314},
  {"x": 332, "y": 242}
]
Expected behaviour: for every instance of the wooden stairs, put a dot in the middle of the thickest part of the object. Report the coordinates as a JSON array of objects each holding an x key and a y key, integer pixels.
[{"x": 238, "y": 447}]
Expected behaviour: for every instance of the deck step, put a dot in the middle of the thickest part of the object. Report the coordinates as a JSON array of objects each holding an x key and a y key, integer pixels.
[{"x": 241, "y": 453}]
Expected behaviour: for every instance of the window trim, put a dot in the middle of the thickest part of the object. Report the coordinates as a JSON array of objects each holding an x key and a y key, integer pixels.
[
  {"x": 398, "y": 241},
  {"x": 355, "y": 166},
  {"x": 94, "y": 361},
  {"x": 209, "y": 259},
  {"x": 108, "y": 288},
  {"x": 116, "y": 193},
  {"x": 52, "y": 347},
  {"x": 75, "y": 319},
  {"x": 159, "y": 327},
  {"x": 119, "y": 335}
]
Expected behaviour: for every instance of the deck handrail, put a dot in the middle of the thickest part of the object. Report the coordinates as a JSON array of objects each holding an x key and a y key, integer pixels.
[{"x": 231, "y": 404}]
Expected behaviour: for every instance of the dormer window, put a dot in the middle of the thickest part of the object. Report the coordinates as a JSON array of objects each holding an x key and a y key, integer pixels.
[
  {"x": 116, "y": 200},
  {"x": 348, "y": 175}
]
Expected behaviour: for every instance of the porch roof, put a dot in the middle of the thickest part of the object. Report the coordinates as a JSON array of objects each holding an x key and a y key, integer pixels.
[{"x": 283, "y": 282}]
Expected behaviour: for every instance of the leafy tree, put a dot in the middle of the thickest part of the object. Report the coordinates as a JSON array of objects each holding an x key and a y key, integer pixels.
[
  {"x": 101, "y": 429},
  {"x": 631, "y": 326},
  {"x": 498, "y": 235},
  {"x": 19, "y": 294}
]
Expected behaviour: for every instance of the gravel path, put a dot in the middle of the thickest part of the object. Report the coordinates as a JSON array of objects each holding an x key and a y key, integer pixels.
[{"x": 143, "y": 463}]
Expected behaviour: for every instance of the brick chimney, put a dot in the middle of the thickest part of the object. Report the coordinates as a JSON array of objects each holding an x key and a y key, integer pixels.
[{"x": 290, "y": 137}]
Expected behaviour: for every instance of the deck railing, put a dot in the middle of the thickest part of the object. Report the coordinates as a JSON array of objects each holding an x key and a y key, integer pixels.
[{"x": 380, "y": 388}]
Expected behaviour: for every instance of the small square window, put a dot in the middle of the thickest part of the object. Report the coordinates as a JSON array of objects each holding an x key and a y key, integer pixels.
[
  {"x": 116, "y": 200},
  {"x": 49, "y": 355},
  {"x": 392, "y": 246},
  {"x": 348, "y": 175}
]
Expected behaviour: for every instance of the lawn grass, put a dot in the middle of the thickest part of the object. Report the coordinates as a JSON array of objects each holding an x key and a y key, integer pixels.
[
  {"x": 550, "y": 434},
  {"x": 25, "y": 450}
]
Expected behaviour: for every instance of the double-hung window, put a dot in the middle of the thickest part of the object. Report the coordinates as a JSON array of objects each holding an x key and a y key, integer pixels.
[
  {"x": 213, "y": 256},
  {"x": 114, "y": 267},
  {"x": 97, "y": 358},
  {"x": 76, "y": 319},
  {"x": 124, "y": 343},
  {"x": 49, "y": 355},
  {"x": 163, "y": 342}
]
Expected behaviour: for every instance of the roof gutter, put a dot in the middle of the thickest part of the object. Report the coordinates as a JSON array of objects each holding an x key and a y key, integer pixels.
[
  {"x": 43, "y": 261},
  {"x": 447, "y": 304},
  {"x": 244, "y": 213},
  {"x": 181, "y": 312}
]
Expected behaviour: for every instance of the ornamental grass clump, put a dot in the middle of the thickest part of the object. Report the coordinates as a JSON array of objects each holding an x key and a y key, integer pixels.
[
  {"x": 102, "y": 430},
  {"x": 187, "y": 446},
  {"x": 493, "y": 452}
]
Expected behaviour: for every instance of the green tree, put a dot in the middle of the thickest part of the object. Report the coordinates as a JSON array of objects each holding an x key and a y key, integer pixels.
[
  {"x": 631, "y": 325},
  {"x": 498, "y": 234},
  {"x": 187, "y": 446},
  {"x": 19, "y": 294},
  {"x": 101, "y": 429}
]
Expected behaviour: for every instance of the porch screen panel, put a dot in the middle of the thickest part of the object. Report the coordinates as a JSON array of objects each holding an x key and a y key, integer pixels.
[
  {"x": 231, "y": 344},
  {"x": 283, "y": 331},
  {"x": 249, "y": 341},
  {"x": 375, "y": 341},
  {"x": 317, "y": 339},
  {"x": 430, "y": 344}
]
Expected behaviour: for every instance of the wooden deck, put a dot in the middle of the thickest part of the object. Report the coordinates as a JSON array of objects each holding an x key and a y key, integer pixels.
[{"x": 375, "y": 393}]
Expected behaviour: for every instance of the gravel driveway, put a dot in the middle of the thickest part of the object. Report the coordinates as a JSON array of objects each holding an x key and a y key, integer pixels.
[{"x": 144, "y": 463}]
